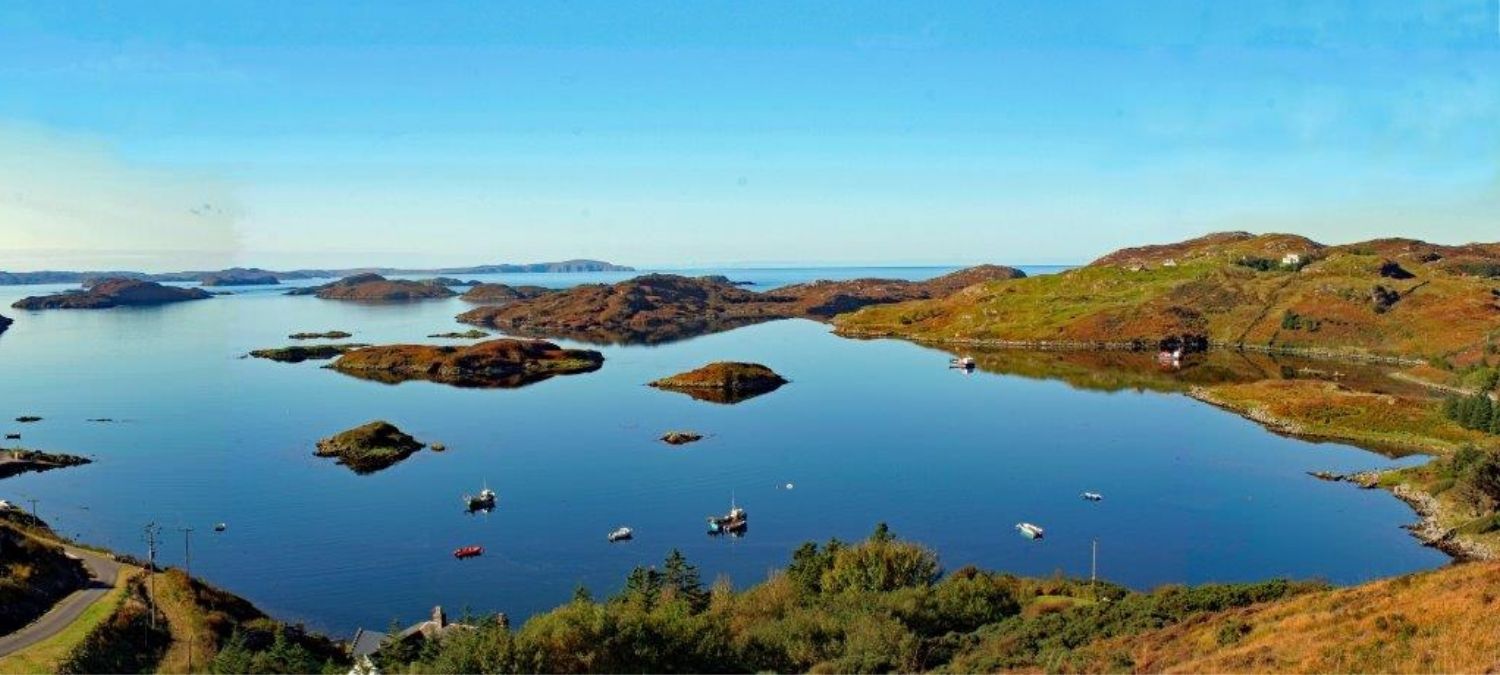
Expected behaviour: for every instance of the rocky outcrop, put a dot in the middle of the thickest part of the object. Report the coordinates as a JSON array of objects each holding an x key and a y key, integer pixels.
[
  {"x": 503, "y": 362},
  {"x": 300, "y": 353},
  {"x": 18, "y": 461},
  {"x": 107, "y": 293},
  {"x": 681, "y": 437},
  {"x": 4, "y": 323},
  {"x": 826, "y": 299},
  {"x": 376, "y": 288},
  {"x": 498, "y": 293},
  {"x": 369, "y": 448},
  {"x": 239, "y": 276},
  {"x": 724, "y": 382}
]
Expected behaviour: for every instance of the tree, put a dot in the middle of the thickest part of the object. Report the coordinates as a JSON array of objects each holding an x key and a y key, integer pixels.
[
  {"x": 581, "y": 593},
  {"x": 683, "y": 578},
  {"x": 643, "y": 585}
]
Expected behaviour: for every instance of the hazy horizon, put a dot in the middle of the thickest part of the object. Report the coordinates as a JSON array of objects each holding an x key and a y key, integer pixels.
[{"x": 176, "y": 135}]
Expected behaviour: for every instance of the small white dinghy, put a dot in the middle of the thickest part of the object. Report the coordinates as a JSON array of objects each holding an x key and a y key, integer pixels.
[
  {"x": 621, "y": 534},
  {"x": 1030, "y": 531},
  {"x": 1093, "y": 496}
]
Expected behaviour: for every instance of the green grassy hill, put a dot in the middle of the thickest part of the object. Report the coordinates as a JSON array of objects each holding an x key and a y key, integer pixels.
[{"x": 1386, "y": 298}]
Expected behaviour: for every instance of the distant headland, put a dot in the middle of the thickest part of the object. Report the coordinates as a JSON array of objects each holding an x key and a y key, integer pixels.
[{"x": 257, "y": 276}]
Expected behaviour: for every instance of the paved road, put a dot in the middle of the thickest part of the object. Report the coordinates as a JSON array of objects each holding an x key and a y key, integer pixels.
[{"x": 66, "y": 611}]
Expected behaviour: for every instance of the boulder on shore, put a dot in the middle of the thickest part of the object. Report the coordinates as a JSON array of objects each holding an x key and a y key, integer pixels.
[
  {"x": 370, "y": 447},
  {"x": 107, "y": 293},
  {"x": 503, "y": 362},
  {"x": 724, "y": 382},
  {"x": 376, "y": 288}
]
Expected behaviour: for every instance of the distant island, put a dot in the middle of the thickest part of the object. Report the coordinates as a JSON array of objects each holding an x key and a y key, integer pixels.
[{"x": 239, "y": 276}]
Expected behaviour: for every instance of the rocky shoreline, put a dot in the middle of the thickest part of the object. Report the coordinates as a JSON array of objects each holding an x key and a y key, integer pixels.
[{"x": 1430, "y": 512}]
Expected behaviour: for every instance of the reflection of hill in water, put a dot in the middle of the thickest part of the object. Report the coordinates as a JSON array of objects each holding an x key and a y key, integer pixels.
[
  {"x": 724, "y": 396},
  {"x": 507, "y": 381},
  {"x": 645, "y": 333},
  {"x": 1116, "y": 370}
]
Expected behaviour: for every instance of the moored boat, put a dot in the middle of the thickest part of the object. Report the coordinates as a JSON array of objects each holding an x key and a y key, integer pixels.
[
  {"x": 621, "y": 534},
  {"x": 1030, "y": 531},
  {"x": 483, "y": 501},
  {"x": 469, "y": 552},
  {"x": 1093, "y": 496},
  {"x": 734, "y": 522},
  {"x": 962, "y": 363}
]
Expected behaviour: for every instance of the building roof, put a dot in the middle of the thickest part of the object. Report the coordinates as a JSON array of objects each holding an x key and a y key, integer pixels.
[{"x": 366, "y": 642}]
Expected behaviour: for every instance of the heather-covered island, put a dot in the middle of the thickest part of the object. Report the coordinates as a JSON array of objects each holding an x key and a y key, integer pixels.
[
  {"x": 502, "y": 362},
  {"x": 107, "y": 293}
]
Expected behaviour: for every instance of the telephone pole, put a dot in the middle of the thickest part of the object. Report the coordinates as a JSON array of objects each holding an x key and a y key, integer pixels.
[
  {"x": 1094, "y": 572},
  {"x": 151, "y": 530},
  {"x": 33, "y": 501},
  {"x": 187, "y": 563}
]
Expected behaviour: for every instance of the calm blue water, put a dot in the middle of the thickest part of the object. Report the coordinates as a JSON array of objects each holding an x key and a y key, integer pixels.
[{"x": 867, "y": 431}]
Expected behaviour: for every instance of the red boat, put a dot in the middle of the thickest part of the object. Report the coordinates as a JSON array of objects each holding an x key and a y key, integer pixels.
[{"x": 469, "y": 552}]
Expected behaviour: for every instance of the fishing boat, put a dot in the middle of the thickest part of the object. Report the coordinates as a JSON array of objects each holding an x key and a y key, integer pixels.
[
  {"x": 1030, "y": 531},
  {"x": 469, "y": 552},
  {"x": 621, "y": 534},
  {"x": 1093, "y": 496},
  {"x": 220, "y": 527},
  {"x": 484, "y": 501},
  {"x": 734, "y": 522}
]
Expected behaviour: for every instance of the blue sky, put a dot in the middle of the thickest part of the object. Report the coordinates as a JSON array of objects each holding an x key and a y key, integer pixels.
[{"x": 169, "y": 134}]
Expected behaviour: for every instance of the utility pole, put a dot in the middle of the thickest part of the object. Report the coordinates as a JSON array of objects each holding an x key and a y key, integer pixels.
[
  {"x": 33, "y": 501},
  {"x": 151, "y": 530},
  {"x": 187, "y": 551},
  {"x": 187, "y": 558},
  {"x": 1094, "y": 572}
]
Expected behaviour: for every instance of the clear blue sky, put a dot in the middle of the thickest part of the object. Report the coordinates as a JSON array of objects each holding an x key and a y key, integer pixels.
[{"x": 168, "y": 134}]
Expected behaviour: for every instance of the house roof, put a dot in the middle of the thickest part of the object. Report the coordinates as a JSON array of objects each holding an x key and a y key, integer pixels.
[{"x": 366, "y": 642}]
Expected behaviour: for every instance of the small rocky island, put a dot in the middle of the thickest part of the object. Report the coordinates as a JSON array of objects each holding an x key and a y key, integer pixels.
[
  {"x": 376, "y": 288},
  {"x": 471, "y": 334},
  {"x": 499, "y": 293},
  {"x": 107, "y": 293},
  {"x": 18, "y": 461},
  {"x": 681, "y": 437},
  {"x": 239, "y": 276},
  {"x": 5, "y": 322},
  {"x": 503, "y": 362},
  {"x": 300, "y": 353},
  {"x": 724, "y": 382},
  {"x": 369, "y": 448},
  {"x": 328, "y": 335}
]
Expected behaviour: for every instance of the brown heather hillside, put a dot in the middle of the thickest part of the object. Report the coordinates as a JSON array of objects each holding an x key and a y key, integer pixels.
[
  {"x": 1446, "y": 621},
  {"x": 493, "y": 363},
  {"x": 376, "y": 288},
  {"x": 107, "y": 293},
  {"x": 657, "y": 308},
  {"x": 1385, "y": 298}
]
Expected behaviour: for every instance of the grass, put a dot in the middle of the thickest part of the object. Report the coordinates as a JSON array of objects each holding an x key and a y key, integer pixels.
[
  {"x": 1443, "y": 621},
  {"x": 44, "y": 656},
  {"x": 1327, "y": 410}
]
